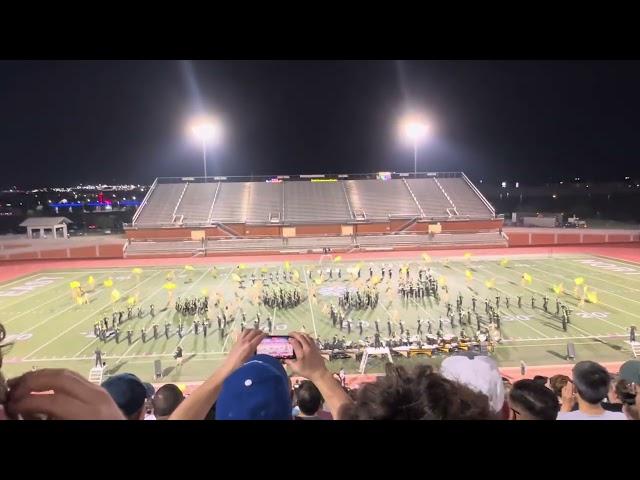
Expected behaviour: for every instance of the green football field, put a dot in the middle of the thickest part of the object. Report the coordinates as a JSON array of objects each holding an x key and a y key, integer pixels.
[{"x": 46, "y": 327}]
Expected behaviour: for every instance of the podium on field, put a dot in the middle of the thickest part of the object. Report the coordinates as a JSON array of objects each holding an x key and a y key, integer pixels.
[{"x": 374, "y": 352}]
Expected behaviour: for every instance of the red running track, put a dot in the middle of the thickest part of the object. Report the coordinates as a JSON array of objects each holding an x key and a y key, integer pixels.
[{"x": 14, "y": 269}]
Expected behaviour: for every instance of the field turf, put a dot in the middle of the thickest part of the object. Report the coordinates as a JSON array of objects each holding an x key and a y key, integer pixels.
[{"x": 46, "y": 327}]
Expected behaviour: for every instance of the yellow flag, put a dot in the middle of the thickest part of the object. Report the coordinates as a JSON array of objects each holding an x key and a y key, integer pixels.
[
  {"x": 337, "y": 259},
  {"x": 236, "y": 277},
  {"x": 426, "y": 257},
  {"x": 442, "y": 280},
  {"x": 592, "y": 296},
  {"x": 527, "y": 278},
  {"x": 558, "y": 289},
  {"x": 318, "y": 280},
  {"x": 467, "y": 255},
  {"x": 74, "y": 284},
  {"x": 188, "y": 268},
  {"x": 287, "y": 266},
  {"x": 169, "y": 286},
  {"x": 131, "y": 300},
  {"x": 91, "y": 280},
  {"x": 468, "y": 274},
  {"x": 242, "y": 266},
  {"x": 108, "y": 283},
  {"x": 504, "y": 262},
  {"x": 115, "y": 295},
  {"x": 579, "y": 280},
  {"x": 490, "y": 283},
  {"x": 137, "y": 271},
  {"x": 264, "y": 269},
  {"x": 376, "y": 279}
]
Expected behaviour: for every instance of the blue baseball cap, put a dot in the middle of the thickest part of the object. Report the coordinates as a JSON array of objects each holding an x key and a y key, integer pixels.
[
  {"x": 258, "y": 390},
  {"x": 127, "y": 391}
]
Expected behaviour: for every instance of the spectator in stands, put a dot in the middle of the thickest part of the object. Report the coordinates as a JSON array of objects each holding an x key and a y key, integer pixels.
[
  {"x": 541, "y": 379},
  {"x": 627, "y": 388},
  {"x": 421, "y": 394},
  {"x": 129, "y": 393},
  {"x": 166, "y": 400},
  {"x": 480, "y": 373},
  {"x": 557, "y": 383},
  {"x": 309, "y": 401},
  {"x": 589, "y": 387},
  {"x": 531, "y": 400},
  {"x": 252, "y": 386}
]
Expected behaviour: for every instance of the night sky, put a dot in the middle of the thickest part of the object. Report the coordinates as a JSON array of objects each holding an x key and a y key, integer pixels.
[{"x": 63, "y": 123}]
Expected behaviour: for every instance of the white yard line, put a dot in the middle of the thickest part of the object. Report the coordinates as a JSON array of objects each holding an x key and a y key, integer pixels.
[
  {"x": 518, "y": 320},
  {"x": 600, "y": 303},
  {"x": 599, "y": 280},
  {"x": 313, "y": 318},
  {"x": 35, "y": 308},
  {"x": 79, "y": 322}
]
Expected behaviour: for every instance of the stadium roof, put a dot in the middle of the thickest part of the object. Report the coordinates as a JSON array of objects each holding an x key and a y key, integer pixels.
[{"x": 46, "y": 222}]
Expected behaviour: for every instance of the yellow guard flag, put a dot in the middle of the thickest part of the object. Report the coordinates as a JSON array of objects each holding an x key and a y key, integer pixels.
[
  {"x": 527, "y": 278},
  {"x": 579, "y": 280},
  {"x": 337, "y": 259},
  {"x": 558, "y": 289},
  {"x": 468, "y": 274},
  {"x": 592, "y": 296},
  {"x": 490, "y": 283},
  {"x": 115, "y": 295},
  {"x": 504, "y": 262},
  {"x": 287, "y": 266},
  {"x": 108, "y": 283}
]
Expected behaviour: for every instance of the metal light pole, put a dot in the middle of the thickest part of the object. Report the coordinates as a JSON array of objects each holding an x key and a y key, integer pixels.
[{"x": 204, "y": 159}]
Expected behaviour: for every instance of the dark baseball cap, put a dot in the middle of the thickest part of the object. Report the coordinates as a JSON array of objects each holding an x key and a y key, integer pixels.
[
  {"x": 630, "y": 371},
  {"x": 127, "y": 391}
]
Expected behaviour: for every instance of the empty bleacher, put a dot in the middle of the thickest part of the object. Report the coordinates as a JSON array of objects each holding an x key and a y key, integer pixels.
[
  {"x": 160, "y": 205},
  {"x": 306, "y": 202},
  {"x": 442, "y": 239},
  {"x": 379, "y": 199},
  {"x": 196, "y": 203},
  {"x": 231, "y": 203},
  {"x": 466, "y": 200},
  {"x": 150, "y": 249},
  {"x": 301, "y": 201},
  {"x": 265, "y": 202},
  {"x": 433, "y": 202}
]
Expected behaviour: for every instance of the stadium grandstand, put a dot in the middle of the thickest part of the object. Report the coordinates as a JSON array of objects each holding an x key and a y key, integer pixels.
[{"x": 302, "y": 213}]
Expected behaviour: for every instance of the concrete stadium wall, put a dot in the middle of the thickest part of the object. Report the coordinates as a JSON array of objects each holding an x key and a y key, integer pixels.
[
  {"x": 83, "y": 252},
  {"x": 521, "y": 237}
]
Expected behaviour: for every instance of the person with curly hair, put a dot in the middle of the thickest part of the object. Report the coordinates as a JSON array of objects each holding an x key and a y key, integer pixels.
[{"x": 418, "y": 394}]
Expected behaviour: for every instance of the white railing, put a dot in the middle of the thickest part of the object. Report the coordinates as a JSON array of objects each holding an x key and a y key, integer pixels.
[
  {"x": 447, "y": 196},
  {"x": 346, "y": 196},
  {"x": 477, "y": 192},
  {"x": 144, "y": 202},
  {"x": 215, "y": 196},
  {"x": 414, "y": 197}
]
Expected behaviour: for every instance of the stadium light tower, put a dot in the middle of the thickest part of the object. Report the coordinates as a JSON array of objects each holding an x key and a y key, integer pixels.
[
  {"x": 414, "y": 130},
  {"x": 207, "y": 131}
]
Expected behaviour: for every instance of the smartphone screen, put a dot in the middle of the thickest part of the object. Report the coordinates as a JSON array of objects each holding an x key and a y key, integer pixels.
[{"x": 277, "y": 346}]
